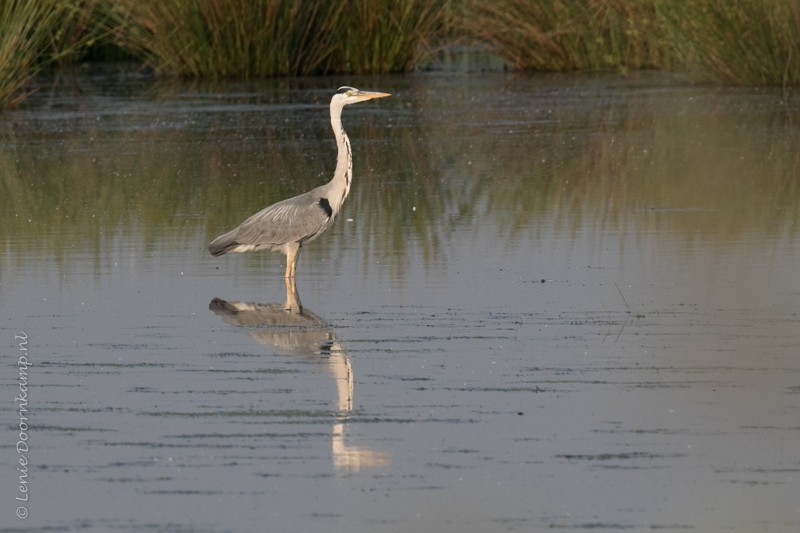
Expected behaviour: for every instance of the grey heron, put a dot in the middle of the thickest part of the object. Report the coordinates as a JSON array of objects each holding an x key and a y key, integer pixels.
[{"x": 288, "y": 225}]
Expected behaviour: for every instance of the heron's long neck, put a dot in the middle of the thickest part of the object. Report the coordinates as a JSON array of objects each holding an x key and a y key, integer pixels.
[{"x": 340, "y": 184}]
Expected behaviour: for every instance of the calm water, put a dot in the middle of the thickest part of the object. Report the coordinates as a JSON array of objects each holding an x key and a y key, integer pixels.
[{"x": 550, "y": 303}]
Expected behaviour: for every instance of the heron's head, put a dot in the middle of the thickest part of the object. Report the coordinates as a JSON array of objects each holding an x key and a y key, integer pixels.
[{"x": 350, "y": 95}]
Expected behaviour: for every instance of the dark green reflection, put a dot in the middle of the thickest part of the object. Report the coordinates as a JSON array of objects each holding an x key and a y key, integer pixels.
[
  {"x": 609, "y": 154},
  {"x": 505, "y": 158}
]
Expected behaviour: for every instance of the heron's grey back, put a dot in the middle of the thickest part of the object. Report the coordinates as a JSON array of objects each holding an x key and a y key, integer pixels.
[{"x": 294, "y": 220}]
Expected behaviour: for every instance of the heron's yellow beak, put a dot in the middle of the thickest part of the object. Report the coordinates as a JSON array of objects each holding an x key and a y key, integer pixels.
[{"x": 369, "y": 95}]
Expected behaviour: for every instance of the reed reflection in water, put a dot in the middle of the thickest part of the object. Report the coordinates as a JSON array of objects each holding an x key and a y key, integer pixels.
[{"x": 508, "y": 158}]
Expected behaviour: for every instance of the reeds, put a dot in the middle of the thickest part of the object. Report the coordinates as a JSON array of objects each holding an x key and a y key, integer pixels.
[
  {"x": 555, "y": 35},
  {"x": 384, "y": 36},
  {"x": 228, "y": 38},
  {"x": 749, "y": 42},
  {"x": 34, "y": 34},
  {"x": 742, "y": 42},
  {"x": 258, "y": 38},
  {"x": 746, "y": 42}
]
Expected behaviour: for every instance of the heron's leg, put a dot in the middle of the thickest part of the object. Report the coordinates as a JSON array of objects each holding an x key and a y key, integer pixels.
[
  {"x": 292, "y": 297},
  {"x": 291, "y": 263},
  {"x": 294, "y": 264}
]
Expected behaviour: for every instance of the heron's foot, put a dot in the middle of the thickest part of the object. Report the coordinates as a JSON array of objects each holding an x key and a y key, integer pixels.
[
  {"x": 292, "y": 297},
  {"x": 293, "y": 307}
]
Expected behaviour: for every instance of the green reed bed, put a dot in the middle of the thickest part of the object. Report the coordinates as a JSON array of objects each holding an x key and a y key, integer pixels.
[
  {"x": 746, "y": 42},
  {"x": 555, "y": 35},
  {"x": 752, "y": 42},
  {"x": 35, "y": 34},
  {"x": 742, "y": 42},
  {"x": 227, "y": 38},
  {"x": 258, "y": 38},
  {"x": 384, "y": 36}
]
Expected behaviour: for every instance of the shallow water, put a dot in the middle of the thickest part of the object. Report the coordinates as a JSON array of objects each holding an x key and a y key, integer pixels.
[{"x": 549, "y": 303}]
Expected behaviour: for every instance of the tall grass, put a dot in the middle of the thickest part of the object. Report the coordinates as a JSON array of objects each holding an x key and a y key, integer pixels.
[
  {"x": 747, "y": 42},
  {"x": 383, "y": 36},
  {"x": 257, "y": 38},
  {"x": 569, "y": 34},
  {"x": 34, "y": 34},
  {"x": 228, "y": 38},
  {"x": 743, "y": 42}
]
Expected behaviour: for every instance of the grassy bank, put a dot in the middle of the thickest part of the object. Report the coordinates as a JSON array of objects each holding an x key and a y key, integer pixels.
[{"x": 746, "y": 42}]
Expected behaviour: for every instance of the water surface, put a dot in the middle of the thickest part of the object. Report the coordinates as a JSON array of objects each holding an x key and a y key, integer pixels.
[{"x": 551, "y": 302}]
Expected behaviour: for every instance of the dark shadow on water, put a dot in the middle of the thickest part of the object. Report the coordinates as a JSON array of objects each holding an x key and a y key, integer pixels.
[{"x": 296, "y": 331}]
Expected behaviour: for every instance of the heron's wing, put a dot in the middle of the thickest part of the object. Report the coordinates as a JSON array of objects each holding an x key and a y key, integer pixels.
[{"x": 296, "y": 219}]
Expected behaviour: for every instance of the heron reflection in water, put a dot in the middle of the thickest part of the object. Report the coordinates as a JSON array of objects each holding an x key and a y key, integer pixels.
[
  {"x": 303, "y": 333},
  {"x": 288, "y": 225}
]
